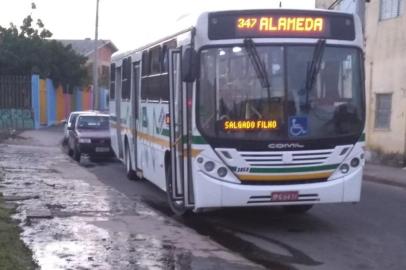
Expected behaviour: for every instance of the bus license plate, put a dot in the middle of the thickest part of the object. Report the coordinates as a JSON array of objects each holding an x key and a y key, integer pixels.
[
  {"x": 102, "y": 149},
  {"x": 284, "y": 196}
]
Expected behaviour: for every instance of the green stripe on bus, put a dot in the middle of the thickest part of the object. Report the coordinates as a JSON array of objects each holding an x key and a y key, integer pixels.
[
  {"x": 362, "y": 138},
  {"x": 294, "y": 170},
  {"x": 163, "y": 132},
  {"x": 198, "y": 140},
  {"x": 195, "y": 139}
]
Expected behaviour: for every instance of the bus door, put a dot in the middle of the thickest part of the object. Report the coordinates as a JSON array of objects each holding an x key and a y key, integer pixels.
[
  {"x": 135, "y": 109},
  {"x": 118, "y": 111},
  {"x": 178, "y": 130}
]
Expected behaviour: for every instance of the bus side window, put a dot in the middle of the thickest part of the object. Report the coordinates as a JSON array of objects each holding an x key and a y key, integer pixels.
[
  {"x": 126, "y": 80},
  {"x": 136, "y": 83},
  {"x": 165, "y": 54},
  {"x": 112, "y": 81},
  {"x": 155, "y": 57},
  {"x": 164, "y": 59},
  {"x": 145, "y": 63}
]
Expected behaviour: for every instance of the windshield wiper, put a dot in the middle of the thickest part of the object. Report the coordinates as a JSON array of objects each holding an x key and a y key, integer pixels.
[
  {"x": 259, "y": 67},
  {"x": 314, "y": 67}
]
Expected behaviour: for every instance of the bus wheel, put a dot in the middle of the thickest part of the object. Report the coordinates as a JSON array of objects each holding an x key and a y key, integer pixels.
[
  {"x": 297, "y": 209},
  {"x": 177, "y": 207},
  {"x": 131, "y": 175}
]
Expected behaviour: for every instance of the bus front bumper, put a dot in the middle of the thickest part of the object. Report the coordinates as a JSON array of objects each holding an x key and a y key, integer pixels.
[{"x": 212, "y": 193}]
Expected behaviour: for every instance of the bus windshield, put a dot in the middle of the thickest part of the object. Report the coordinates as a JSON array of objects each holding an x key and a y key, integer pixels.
[{"x": 301, "y": 100}]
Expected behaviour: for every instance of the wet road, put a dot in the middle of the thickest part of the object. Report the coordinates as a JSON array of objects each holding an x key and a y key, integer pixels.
[
  {"x": 368, "y": 235},
  {"x": 71, "y": 220},
  {"x": 103, "y": 221}
]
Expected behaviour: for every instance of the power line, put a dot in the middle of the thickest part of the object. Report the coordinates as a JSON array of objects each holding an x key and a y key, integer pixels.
[{"x": 334, "y": 4}]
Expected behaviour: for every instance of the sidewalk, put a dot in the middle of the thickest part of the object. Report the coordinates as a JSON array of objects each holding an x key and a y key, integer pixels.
[
  {"x": 70, "y": 219},
  {"x": 385, "y": 175}
]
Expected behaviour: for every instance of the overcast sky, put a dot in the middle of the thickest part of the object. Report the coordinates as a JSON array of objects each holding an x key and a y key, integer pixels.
[{"x": 128, "y": 23}]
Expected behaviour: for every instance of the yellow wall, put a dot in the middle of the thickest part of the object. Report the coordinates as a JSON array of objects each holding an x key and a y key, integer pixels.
[
  {"x": 60, "y": 104},
  {"x": 43, "y": 102},
  {"x": 386, "y": 73}
]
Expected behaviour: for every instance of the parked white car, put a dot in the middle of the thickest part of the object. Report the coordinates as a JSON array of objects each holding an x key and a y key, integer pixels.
[{"x": 70, "y": 122}]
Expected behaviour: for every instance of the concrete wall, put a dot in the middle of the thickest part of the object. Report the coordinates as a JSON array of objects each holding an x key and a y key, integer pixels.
[
  {"x": 386, "y": 73},
  {"x": 16, "y": 119}
]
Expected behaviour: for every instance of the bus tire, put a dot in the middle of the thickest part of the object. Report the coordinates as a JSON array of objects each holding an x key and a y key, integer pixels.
[
  {"x": 297, "y": 209},
  {"x": 177, "y": 209},
  {"x": 131, "y": 175}
]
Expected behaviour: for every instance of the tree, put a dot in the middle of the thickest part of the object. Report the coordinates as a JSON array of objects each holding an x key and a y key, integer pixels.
[{"x": 29, "y": 50}]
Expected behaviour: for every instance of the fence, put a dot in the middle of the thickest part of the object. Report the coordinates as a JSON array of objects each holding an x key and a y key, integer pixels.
[
  {"x": 30, "y": 102},
  {"x": 15, "y": 102}
]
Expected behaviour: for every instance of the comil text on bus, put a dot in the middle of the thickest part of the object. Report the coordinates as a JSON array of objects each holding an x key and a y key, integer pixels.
[{"x": 281, "y": 24}]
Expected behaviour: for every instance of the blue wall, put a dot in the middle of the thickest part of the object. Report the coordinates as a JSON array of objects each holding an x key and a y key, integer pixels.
[
  {"x": 35, "y": 99},
  {"x": 51, "y": 103}
]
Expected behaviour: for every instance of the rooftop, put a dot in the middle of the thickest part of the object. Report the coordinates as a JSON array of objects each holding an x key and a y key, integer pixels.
[{"x": 85, "y": 47}]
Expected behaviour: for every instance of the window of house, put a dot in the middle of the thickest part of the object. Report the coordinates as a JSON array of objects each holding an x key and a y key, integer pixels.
[
  {"x": 390, "y": 9},
  {"x": 104, "y": 77},
  {"x": 383, "y": 111}
]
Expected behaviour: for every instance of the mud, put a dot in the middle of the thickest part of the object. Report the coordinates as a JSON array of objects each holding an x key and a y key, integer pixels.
[{"x": 91, "y": 225}]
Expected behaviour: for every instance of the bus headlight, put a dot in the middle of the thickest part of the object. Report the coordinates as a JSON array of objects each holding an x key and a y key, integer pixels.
[
  {"x": 215, "y": 169},
  {"x": 355, "y": 162},
  {"x": 344, "y": 168},
  {"x": 209, "y": 166},
  {"x": 222, "y": 171}
]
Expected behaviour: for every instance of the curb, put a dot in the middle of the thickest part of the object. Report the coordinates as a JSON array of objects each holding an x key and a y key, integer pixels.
[{"x": 372, "y": 178}]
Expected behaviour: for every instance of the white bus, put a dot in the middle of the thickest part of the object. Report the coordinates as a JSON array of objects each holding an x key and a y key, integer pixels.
[{"x": 245, "y": 108}]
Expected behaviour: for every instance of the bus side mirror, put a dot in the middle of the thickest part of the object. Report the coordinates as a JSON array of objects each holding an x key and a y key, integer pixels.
[{"x": 189, "y": 65}]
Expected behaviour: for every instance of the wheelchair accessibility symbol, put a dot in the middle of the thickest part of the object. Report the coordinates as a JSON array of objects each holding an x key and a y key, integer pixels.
[{"x": 298, "y": 126}]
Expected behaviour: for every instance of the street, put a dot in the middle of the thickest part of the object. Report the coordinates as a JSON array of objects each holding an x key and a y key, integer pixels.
[
  {"x": 89, "y": 216},
  {"x": 368, "y": 235}
]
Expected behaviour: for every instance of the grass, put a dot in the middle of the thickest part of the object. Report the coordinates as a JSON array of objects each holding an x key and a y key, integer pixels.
[{"x": 14, "y": 255}]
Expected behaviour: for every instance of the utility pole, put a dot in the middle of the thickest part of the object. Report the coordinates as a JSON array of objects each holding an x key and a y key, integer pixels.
[{"x": 95, "y": 62}]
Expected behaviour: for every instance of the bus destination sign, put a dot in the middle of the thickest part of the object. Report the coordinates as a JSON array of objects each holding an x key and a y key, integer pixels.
[
  {"x": 281, "y": 24},
  {"x": 245, "y": 125},
  {"x": 289, "y": 24}
]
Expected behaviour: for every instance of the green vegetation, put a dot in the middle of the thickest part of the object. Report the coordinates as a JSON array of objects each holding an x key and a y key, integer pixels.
[
  {"x": 14, "y": 255},
  {"x": 28, "y": 50}
]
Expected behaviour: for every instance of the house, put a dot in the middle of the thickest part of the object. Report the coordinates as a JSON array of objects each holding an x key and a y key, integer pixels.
[
  {"x": 86, "y": 47},
  {"x": 385, "y": 76}
]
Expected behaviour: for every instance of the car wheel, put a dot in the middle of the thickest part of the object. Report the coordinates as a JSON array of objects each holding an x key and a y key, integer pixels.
[
  {"x": 76, "y": 154},
  {"x": 70, "y": 151},
  {"x": 297, "y": 209},
  {"x": 131, "y": 175}
]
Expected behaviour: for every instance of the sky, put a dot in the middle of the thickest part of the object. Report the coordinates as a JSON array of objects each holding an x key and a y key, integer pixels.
[{"x": 127, "y": 23}]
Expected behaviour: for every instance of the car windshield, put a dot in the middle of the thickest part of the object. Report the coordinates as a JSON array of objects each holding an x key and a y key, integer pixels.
[
  {"x": 93, "y": 122},
  {"x": 309, "y": 92}
]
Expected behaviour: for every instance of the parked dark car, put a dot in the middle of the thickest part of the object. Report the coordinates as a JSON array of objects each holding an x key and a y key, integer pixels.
[{"x": 91, "y": 136}]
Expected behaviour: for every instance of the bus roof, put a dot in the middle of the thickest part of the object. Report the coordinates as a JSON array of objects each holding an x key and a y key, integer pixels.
[{"x": 188, "y": 22}]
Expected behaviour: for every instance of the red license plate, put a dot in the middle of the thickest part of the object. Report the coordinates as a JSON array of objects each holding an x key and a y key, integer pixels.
[{"x": 285, "y": 196}]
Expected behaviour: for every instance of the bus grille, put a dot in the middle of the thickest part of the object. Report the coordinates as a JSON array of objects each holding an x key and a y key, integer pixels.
[{"x": 298, "y": 158}]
